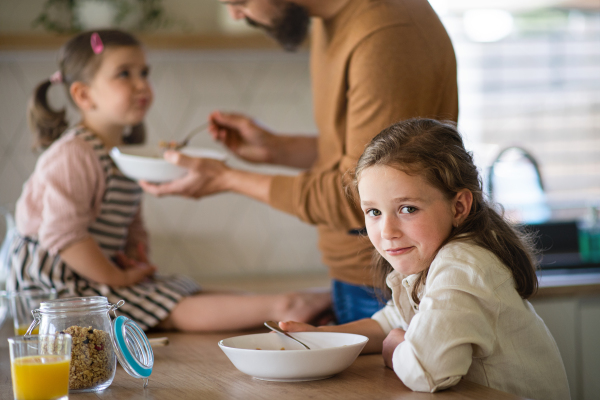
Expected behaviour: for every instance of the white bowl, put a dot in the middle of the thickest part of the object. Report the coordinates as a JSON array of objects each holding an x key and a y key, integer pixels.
[
  {"x": 146, "y": 163},
  {"x": 330, "y": 354}
]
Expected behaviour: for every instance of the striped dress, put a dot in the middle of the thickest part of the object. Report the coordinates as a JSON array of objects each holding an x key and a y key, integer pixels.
[{"x": 148, "y": 302}]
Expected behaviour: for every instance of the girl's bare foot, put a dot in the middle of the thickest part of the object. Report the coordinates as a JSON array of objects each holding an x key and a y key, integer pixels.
[{"x": 303, "y": 306}]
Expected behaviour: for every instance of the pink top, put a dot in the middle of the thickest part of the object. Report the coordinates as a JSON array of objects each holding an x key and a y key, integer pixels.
[{"x": 63, "y": 195}]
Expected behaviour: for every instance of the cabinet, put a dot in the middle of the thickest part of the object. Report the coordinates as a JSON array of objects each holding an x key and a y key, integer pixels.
[{"x": 574, "y": 321}]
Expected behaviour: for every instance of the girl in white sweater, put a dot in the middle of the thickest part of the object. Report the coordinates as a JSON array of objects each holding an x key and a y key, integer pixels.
[{"x": 459, "y": 273}]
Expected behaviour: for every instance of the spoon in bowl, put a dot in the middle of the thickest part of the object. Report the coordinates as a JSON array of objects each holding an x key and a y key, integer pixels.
[
  {"x": 274, "y": 326},
  {"x": 184, "y": 142}
]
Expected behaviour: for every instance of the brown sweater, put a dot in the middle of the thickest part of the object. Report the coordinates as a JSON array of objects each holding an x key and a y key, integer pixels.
[{"x": 375, "y": 63}]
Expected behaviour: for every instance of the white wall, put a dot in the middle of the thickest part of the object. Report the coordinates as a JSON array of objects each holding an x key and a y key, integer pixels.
[{"x": 224, "y": 235}]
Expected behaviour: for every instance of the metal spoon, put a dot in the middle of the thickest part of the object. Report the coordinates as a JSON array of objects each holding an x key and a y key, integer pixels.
[
  {"x": 163, "y": 145},
  {"x": 187, "y": 138},
  {"x": 274, "y": 326}
]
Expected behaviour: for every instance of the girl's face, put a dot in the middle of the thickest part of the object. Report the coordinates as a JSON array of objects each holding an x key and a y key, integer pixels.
[
  {"x": 120, "y": 91},
  {"x": 407, "y": 219}
]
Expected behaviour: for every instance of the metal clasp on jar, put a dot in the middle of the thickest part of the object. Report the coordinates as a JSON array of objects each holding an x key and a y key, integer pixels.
[
  {"x": 113, "y": 308},
  {"x": 36, "y": 321}
]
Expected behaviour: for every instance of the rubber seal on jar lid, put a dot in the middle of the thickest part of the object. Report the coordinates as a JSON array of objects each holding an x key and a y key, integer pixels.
[{"x": 132, "y": 348}]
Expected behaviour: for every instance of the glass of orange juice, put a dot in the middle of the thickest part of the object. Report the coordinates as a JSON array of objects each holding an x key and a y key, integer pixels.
[
  {"x": 25, "y": 301},
  {"x": 39, "y": 366}
]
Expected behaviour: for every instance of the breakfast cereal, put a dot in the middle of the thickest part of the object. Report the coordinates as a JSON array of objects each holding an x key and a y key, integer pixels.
[{"x": 92, "y": 358}]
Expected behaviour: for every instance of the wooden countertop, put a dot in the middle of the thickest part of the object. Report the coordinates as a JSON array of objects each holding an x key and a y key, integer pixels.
[
  {"x": 192, "y": 366},
  {"x": 550, "y": 284},
  {"x": 582, "y": 283}
]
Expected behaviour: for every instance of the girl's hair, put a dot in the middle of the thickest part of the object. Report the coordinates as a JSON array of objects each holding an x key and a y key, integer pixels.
[
  {"x": 435, "y": 150},
  {"x": 77, "y": 62}
]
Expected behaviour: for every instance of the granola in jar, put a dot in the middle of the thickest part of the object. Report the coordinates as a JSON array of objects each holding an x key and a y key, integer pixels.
[{"x": 92, "y": 357}]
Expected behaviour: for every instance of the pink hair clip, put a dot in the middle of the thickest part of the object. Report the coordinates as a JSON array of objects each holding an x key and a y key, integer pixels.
[
  {"x": 96, "y": 42},
  {"x": 56, "y": 77}
]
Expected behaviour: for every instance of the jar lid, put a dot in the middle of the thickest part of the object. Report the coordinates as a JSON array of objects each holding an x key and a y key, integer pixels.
[{"x": 132, "y": 348}]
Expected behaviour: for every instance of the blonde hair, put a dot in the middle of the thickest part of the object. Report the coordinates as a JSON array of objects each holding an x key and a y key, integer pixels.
[
  {"x": 435, "y": 150},
  {"x": 77, "y": 62}
]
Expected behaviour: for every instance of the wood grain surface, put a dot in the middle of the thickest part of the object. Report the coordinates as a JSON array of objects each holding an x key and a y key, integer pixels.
[{"x": 193, "y": 366}]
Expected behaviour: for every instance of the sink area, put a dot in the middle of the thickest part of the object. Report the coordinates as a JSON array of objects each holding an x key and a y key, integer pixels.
[{"x": 559, "y": 246}]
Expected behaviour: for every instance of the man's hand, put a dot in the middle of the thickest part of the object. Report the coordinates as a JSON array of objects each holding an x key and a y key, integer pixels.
[
  {"x": 204, "y": 177},
  {"x": 393, "y": 339},
  {"x": 242, "y": 136}
]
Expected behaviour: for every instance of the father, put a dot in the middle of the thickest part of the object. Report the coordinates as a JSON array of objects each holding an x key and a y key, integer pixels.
[{"x": 372, "y": 63}]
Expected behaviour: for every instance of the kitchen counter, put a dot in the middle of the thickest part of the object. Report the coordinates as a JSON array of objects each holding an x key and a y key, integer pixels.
[
  {"x": 552, "y": 283},
  {"x": 192, "y": 366},
  {"x": 568, "y": 282}
]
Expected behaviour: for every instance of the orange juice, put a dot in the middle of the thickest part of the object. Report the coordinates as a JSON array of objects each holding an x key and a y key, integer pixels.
[
  {"x": 22, "y": 330},
  {"x": 44, "y": 377}
]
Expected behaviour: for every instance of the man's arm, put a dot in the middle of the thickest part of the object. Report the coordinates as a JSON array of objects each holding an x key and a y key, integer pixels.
[
  {"x": 296, "y": 151},
  {"x": 390, "y": 78},
  {"x": 252, "y": 142}
]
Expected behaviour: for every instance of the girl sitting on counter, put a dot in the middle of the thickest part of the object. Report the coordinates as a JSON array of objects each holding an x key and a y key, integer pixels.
[
  {"x": 459, "y": 273},
  {"x": 78, "y": 215}
]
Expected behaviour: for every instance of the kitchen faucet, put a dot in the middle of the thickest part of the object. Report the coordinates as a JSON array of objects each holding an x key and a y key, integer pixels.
[{"x": 517, "y": 185}]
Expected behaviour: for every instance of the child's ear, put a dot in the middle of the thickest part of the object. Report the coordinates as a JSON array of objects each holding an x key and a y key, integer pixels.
[
  {"x": 462, "y": 206},
  {"x": 80, "y": 93}
]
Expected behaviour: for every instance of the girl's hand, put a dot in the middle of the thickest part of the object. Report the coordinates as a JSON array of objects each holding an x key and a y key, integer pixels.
[
  {"x": 393, "y": 339},
  {"x": 242, "y": 136},
  {"x": 137, "y": 252},
  {"x": 138, "y": 272},
  {"x": 142, "y": 253},
  {"x": 292, "y": 326},
  {"x": 134, "y": 271}
]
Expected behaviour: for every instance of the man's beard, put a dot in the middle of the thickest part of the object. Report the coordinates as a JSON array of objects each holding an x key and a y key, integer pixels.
[{"x": 290, "y": 28}]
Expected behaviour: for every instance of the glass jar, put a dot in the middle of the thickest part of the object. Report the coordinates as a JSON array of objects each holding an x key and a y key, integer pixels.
[
  {"x": 97, "y": 342},
  {"x": 86, "y": 319}
]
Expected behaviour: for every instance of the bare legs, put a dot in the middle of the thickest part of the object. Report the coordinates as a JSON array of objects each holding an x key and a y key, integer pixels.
[{"x": 226, "y": 311}]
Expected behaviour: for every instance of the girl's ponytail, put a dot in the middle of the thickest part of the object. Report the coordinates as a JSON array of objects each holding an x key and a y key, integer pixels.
[{"x": 46, "y": 123}]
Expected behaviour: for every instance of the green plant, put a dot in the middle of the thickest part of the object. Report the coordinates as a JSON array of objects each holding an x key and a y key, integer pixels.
[{"x": 60, "y": 16}]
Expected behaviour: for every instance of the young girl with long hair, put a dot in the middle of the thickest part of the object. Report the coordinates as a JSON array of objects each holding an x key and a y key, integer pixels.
[
  {"x": 79, "y": 221},
  {"x": 459, "y": 273}
]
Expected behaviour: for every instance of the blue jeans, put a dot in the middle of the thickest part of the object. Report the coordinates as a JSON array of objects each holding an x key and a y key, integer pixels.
[{"x": 354, "y": 302}]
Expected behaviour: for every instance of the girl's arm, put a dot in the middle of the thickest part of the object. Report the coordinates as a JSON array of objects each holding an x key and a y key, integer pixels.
[
  {"x": 367, "y": 327},
  {"x": 137, "y": 239},
  {"x": 457, "y": 320},
  {"x": 87, "y": 260}
]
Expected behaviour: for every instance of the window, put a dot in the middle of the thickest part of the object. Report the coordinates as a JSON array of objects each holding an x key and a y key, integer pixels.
[{"x": 531, "y": 78}]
